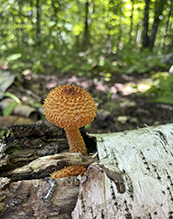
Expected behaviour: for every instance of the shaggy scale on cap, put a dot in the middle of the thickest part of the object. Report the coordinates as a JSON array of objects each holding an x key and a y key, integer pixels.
[{"x": 74, "y": 170}]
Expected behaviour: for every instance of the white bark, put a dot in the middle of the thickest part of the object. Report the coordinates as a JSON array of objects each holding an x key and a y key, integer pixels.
[{"x": 134, "y": 178}]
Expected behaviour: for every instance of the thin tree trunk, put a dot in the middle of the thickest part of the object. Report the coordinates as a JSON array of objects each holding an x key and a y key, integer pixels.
[
  {"x": 120, "y": 43},
  {"x": 38, "y": 28},
  {"x": 108, "y": 44},
  {"x": 138, "y": 34},
  {"x": 167, "y": 24},
  {"x": 171, "y": 44},
  {"x": 131, "y": 22},
  {"x": 32, "y": 12},
  {"x": 54, "y": 18},
  {"x": 158, "y": 12},
  {"x": 22, "y": 24},
  {"x": 145, "y": 42},
  {"x": 86, "y": 30}
]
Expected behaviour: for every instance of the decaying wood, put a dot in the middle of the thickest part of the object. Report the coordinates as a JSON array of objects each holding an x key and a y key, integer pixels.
[
  {"x": 41, "y": 198},
  {"x": 26, "y": 191},
  {"x": 133, "y": 178},
  {"x": 26, "y": 199},
  {"x": 44, "y": 166},
  {"x": 25, "y": 143}
]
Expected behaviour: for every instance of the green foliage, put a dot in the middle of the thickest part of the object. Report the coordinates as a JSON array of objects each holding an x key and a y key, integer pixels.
[
  {"x": 86, "y": 38},
  {"x": 12, "y": 96},
  {"x": 14, "y": 57},
  {"x": 163, "y": 89},
  {"x": 1, "y": 133},
  {"x": 60, "y": 34},
  {"x": 141, "y": 62},
  {"x": 38, "y": 67},
  {"x": 87, "y": 126},
  {"x": 67, "y": 68},
  {"x": 9, "y": 109},
  {"x": 109, "y": 94}
]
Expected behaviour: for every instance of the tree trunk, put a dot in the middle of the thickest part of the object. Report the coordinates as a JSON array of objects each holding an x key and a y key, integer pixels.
[
  {"x": 119, "y": 40},
  {"x": 145, "y": 42},
  {"x": 138, "y": 34},
  {"x": 38, "y": 28},
  {"x": 108, "y": 44},
  {"x": 171, "y": 44},
  {"x": 21, "y": 27},
  {"x": 158, "y": 13},
  {"x": 86, "y": 30},
  {"x": 54, "y": 18},
  {"x": 167, "y": 23},
  {"x": 133, "y": 178},
  {"x": 131, "y": 22}
]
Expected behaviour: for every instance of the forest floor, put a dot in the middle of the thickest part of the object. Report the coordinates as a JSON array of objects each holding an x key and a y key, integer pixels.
[
  {"x": 121, "y": 99},
  {"x": 27, "y": 135}
]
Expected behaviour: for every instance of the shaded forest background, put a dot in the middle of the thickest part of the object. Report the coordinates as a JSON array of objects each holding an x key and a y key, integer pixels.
[
  {"x": 83, "y": 35},
  {"x": 98, "y": 40}
]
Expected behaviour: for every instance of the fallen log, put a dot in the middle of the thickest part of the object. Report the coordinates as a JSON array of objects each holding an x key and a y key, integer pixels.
[
  {"x": 133, "y": 178},
  {"x": 28, "y": 199},
  {"x": 28, "y": 192}
]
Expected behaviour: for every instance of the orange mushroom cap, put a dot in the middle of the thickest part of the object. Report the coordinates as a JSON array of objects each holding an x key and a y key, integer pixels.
[{"x": 69, "y": 107}]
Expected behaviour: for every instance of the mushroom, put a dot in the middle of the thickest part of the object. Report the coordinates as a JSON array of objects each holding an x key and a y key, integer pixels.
[
  {"x": 70, "y": 107},
  {"x": 74, "y": 170}
]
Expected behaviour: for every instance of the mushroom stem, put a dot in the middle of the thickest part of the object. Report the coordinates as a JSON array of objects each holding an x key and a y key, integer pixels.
[{"x": 75, "y": 140}]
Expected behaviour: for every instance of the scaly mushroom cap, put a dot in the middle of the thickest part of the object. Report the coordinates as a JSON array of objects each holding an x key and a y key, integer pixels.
[{"x": 69, "y": 107}]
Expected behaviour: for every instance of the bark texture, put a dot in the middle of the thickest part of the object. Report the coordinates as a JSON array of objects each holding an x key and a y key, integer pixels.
[
  {"x": 41, "y": 198},
  {"x": 133, "y": 178},
  {"x": 29, "y": 199}
]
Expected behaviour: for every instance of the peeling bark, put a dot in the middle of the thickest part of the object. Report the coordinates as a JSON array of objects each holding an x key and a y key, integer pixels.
[
  {"x": 44, "y": 166},
  {"x": 25, "y": 199},
  {"x": 133, "y": 178},
  {"x": 41, "y": 198}
]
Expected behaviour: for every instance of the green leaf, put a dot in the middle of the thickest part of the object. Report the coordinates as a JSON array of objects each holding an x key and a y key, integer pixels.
[
  {"x": 9, "y": 109},
  {"x": 12, "y": 96},
  {"x": 67, "y": 68},
  {"x": 37, "y": 68},
  {"x": 164, "y": 99},
  {"x": 1, "y": 133},
  {"x": 37, "y": 105},
  {"x": 109, "y": 94},
  {"x": 51, "y": 23},
  {"x": 14, "y": 57}
]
